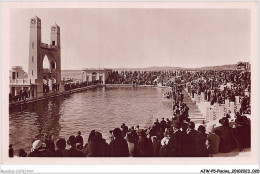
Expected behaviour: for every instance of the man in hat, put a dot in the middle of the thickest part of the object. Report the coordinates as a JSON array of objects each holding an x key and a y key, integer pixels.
[{"x": 227, "y": 143}]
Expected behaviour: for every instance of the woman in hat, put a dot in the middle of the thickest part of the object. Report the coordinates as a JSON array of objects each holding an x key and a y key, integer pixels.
[{"x": 39, "y": 149}]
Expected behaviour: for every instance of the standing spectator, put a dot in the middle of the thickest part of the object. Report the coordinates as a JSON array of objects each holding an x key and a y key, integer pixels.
[
  {"x": 132, "y": 139},
  {"x": 242, "y": 133},
  {"x": 61, "y": 151},
  {"x": 22, "y": 153},
  {"x": 197, "y": 142},
  {"x": 213, "y": 140},
  {"x": 79, "y": 140},
  {"x": 73, "y": 152},
  {"x": 118, "y": 146},
  {"x": 227, "y": 143},
  {"x": 144, "y": 145},
  {"x": 11, "y": 151}
]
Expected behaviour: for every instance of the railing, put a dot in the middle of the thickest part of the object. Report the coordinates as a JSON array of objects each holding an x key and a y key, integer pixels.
[
  {"x": 44, "y": 45},
  {"x": 19, "y": 81},
  {"x": 49, "y": 70}
]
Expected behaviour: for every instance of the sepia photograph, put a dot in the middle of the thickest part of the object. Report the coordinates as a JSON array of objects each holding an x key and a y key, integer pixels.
[{"x": 130, "y": 83}]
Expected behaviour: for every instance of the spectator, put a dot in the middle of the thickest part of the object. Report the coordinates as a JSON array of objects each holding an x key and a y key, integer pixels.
[
  {"x": 22, "y": 153},
  {"x": 11, "y": 151},
  {"x": 227, "y": 143},
  {"x": 73, "y": 152},
  {"x": 144, "y": 145},
  {"x": 213, "y": 140},
  {"x": 39, "y": 150},
  {"x": 61, "y": 151},
  {"x": 197, "y": 142},
  {"x": 79, "y": 139},
  {"x": 118, "y": 146}
]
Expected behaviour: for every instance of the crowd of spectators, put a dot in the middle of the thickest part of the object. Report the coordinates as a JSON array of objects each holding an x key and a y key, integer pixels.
[
  {"x": 23, "y": 94},
  {"x": 210, "y": 82},
  {"x": 166, "y": 138},
  {"x": 170, "y": 137},
  {"x": 78, "y": 84}
]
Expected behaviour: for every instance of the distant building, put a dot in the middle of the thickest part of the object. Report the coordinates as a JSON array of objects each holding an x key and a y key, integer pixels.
[
  {"x": 17, "y": 72},
  {"x": 93, "y": 75},
  {"x": 243, "y": 66},
  {"x": 18, "y": 80}
]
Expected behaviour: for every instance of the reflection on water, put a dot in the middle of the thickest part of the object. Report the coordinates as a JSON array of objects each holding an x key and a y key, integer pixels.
[{"x": 101, "y": 109}]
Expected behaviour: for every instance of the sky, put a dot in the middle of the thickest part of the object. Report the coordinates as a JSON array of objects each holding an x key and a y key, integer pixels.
[{"x": 137, "y": 38}]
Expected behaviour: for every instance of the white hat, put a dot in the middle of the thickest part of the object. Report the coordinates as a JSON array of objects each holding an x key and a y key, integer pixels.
[{"x": 37, "y": 144}]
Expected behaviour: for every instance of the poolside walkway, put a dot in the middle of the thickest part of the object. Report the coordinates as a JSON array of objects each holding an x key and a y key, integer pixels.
[
  {"x": 194, "y": 112},
  {"x": 51, "y": 95}
]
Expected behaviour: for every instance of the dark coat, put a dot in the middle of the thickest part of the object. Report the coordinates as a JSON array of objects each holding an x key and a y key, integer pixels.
[
  {"x": 179, "y": 144},
  {"x": 61, "y": 153},
  {"x": 213, "y": 147},
  {"x": 119, "y": 148},
  {"x": 43, "y": 153},
  {"x": 97, "y": 148},
  {"x": 79, "y": 139},
  {"x": 145, "y": 147},
  {"x": 242, "y": 136},
  {"x": 73, "y": 152},
  {"x": 227, "y": 143},
  {"x": 197, "y": 144}
]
